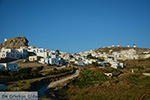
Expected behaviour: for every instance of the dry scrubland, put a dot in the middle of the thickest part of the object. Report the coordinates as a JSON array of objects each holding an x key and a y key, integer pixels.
[
  {"x": 124, "y": 87},
  {"x": 33, "y": 75},
  {"x": 22, "y": 64},
  {"x": 93, "y": 85},
  {"x": 127, "y": 86}
]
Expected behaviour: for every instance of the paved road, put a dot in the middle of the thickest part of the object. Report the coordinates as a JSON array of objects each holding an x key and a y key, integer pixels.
[{"x": 54, "y": 84}]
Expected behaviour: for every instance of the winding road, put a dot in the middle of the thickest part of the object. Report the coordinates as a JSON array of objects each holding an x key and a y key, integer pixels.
[{"x": 54, "y": 84}]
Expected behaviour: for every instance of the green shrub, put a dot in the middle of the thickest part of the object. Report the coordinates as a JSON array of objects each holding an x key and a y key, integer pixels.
[
  {"x": 133, "y": 78},
  {"x": 55, "y": 69},
  {"x": 88, "y": 77}
]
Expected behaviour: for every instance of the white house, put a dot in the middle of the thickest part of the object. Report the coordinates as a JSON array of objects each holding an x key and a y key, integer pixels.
[
  {"x": 66, "y": 57},
  {"x": 86, "y": 61},
  {"x": 116, "y": 54},
  {"x": 42, "y": 60},
  {"x": 108, "y": 74},
  {"x": 147, "y": 55},
  {"x": 23, "y": 52},
  {"x": 10, "y": 53},
  {"x": 9, "y": 66},
  {"x": 36, "y": 50},
  {"x": 41, "y": 52},
  {"x": 79, "y": 63},
  {"x": 33, "y": 58},
  {"x": 13, "y": 53},
  {"x": 51, "y": 59},
  {"x": 116, "y": 65}
]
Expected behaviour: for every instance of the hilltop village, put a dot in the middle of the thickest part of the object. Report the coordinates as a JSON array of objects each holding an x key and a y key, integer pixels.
[
  {"x": 102, "y": 58},
  {"x": 30, "y": 68}
]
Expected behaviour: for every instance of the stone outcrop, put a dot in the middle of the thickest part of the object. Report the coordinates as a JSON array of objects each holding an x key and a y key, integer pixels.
[{"x": 15, "y": 42}]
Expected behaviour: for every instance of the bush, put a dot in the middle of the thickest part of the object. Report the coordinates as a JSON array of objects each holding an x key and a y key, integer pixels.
[
  {"x": 48, "y": 64},
  {"x": 95, "y": 64},
  {"x": 55, "y": 69},
  {"x": 88, "y": 77},
  {"x": 25, "y": 70},
  {"x": 133, "y": 78}
]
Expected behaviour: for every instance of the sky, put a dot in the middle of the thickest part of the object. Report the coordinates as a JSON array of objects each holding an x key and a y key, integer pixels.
[{"x": 76, "y": 25}]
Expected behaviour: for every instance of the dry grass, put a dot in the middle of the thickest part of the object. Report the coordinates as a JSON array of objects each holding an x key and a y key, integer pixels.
[
  {"x": 127, "y": 86},
  {"x": 30, "y": 64},
  {"x": 22, "y": 84},
  {"x": 139, "y": 66},
  {"x": 22, "y": 64}
]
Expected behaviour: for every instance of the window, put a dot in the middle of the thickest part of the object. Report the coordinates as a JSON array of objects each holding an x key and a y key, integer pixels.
[
  {"x": 3, "y": 55},
  {"x": 34, "y": 50},
  {"x": 33, "y": 59}
]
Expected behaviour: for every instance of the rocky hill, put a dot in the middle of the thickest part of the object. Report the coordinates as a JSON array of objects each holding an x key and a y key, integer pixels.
[{"x": 15, "y": 42}]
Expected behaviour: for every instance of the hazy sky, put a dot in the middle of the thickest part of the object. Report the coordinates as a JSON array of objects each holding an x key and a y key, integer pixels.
[{"x": 76, "y": 25}]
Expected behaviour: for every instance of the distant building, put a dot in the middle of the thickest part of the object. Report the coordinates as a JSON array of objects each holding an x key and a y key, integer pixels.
[
  {"x": 5, "y": 40},
  {"x": 36, "y": 50},
  {"x": 116, "y": 65},
  {"x": 128, "y": 45},
  {"x": 108, "y": 74},
  {"x": 13, "y": 53},
  {"x": 118, "y": 45},
  {"x": 147, "y": 55},
  {"x": 33, "y": 58},
  {"x": 79, "y": 63},
  {"x": 113, "y": 46},
  {"x": 9, "y": 66},
  {"x": 41, "y": 52},
  {"x": 134, "y": 46}
]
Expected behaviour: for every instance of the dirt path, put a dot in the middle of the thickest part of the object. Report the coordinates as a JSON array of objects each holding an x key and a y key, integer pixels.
[{"x": 54, "y": 84}]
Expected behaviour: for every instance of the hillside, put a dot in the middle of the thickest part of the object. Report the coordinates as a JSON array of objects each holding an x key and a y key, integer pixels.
[{"x": 117, "y": 49}]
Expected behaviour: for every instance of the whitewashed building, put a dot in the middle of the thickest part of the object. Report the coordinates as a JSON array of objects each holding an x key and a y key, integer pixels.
[
  {"x": 52, "y": 58},
  {"x": 79, "y": 63},
  {"x": 23, "y": 52},
  {"x": 116, "y": 65},
  {"x": 41, "y": 52},
  {"x": 33, "y": 58},
  {"x": 13, "y": 53},
  {"x": 36, "y": 50},
  {"x": 147, "y": 55}
]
